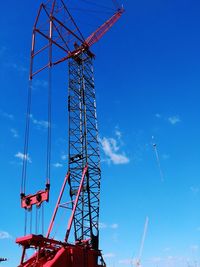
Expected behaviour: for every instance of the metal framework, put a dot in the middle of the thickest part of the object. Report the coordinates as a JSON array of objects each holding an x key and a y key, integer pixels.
[{"x": 84, "y": 147}]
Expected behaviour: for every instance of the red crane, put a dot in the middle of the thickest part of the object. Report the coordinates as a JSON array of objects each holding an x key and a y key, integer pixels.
[{"x": 58, "y": 30}]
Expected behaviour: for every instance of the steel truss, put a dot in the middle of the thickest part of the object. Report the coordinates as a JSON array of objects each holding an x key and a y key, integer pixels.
[{"x": 84, "y": 147}]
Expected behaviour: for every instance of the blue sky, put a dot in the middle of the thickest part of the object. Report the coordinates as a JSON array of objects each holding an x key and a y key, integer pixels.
[{"x": 147, "y": 83}]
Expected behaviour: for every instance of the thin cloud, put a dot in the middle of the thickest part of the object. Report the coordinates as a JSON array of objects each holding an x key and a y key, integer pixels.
[
  {"x": 5, "y": 235},
  {"x": 174, "y": 120},
  {"x": 16, "y": 66},
  {"x": 103, "y": 225},
  {"x": 111, "y": 150},
  {"x": 166, "y": 249},
  {"x": 64, "y": 157},
  {"x": 40, "y": 84},
  {"x": 127, "y": 262},
  {"x": 14, "y": 133},
  {"x": 158, "y": 115},
  {"x": 156, "y": 259},
  {"x": 106, "y": 226},
  {"x": 57, "y": 165},
  {"x": 39, "y": 123},
  {"x": 118, "y": 133},
  {"x": 109, "y": 255},
  {"x": 114, "y": 226},
  {"x": 21, "y": 156},
  {"x": 172, "y": 261},
  {"x": 6, "y": 115}
]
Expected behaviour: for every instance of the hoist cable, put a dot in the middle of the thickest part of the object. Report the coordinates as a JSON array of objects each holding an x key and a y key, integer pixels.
[
  {"x": 31, "y": 218},
  {"x": 25, "y": 224},
  {"x": 116, "y": 4},
  {"x": 48, "y": 163},
  {"x": 26, "y": 139},
  {"x": 42, "y": 219},
  {"x": 97, "y": 5},
  {"x": 36, "y": 220}
]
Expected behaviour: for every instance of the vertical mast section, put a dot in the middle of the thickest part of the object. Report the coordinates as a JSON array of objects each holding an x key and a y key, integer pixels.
[{"x": 84, "y": 147}]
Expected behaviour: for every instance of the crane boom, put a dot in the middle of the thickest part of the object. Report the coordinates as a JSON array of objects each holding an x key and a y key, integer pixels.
[{"x": 99, "y": 33}]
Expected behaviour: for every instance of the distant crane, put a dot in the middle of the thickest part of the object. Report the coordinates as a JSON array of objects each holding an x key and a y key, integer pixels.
[
  {"x": 157, "y": 159},
  {"x": 137, "y": 263}
]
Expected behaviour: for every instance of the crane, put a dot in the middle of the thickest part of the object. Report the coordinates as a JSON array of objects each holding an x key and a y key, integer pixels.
[
  {"x": 138, "y": 260},
  {"x": 57, "y": 29}
]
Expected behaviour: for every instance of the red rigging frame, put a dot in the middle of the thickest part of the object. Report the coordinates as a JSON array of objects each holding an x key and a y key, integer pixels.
[{"x": 58, "y": 30}]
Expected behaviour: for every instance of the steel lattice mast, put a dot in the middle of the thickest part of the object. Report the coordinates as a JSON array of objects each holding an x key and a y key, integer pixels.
[{"x": 84, "y": 146}]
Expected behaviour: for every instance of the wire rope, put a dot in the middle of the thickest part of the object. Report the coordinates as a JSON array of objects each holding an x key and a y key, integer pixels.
[
  {"x": 98, "y": 5},
  {"x": 26, "y": 139},
  {"x": 48, "y": 159}
]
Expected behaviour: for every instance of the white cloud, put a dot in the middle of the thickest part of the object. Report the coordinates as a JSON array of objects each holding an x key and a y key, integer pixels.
[
  {"x": 172, "y": 261},
  {"x": 6, "y": 115},
  {"x": 158, "y": 115},
  {"x": 114, "y": 226},
  {"x": 111, "y": 149},
  {"x": 39, "y": 123},
  {"x": 111, "y": 226},
  {"x": 108, "y": 255},
  {"x": 166, "y": 249},
  {"x": 127, "y": 262},
  {"x": 14, "y": 133},
  {"x": 156, "y": 259},
  {"x": 21, "y": 156},
  {"x": 103, "y": 225},
  {"x": 64, "y": 157},
  {"x": 5, "y": 235},
  {"x": 174, "y": 119},
  {"x": 40, "y": 84},
  {"x": 16, "y": 66},
  {"x": 57, "y": 165},
  {"x": 118, "y": 133}
]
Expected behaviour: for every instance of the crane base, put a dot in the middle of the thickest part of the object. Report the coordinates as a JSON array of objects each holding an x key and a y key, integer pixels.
[{"x": 53, "y": 253}]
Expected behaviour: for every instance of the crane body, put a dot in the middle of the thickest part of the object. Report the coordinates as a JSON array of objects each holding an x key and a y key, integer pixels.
[{"x": 82, "y": 180}]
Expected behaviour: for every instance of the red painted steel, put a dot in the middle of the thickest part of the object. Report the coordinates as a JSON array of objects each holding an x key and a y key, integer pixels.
[
  {"x": 70, "y": 46},
  {"x": 36, "y": 199},
  {"x": 52, "y": 253},
  {"x": 57, "y": 204},
  {"x": 94, "y": 37},
  {"x": 75, "y": 204},
  {"x": 99, "y": 33}
]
